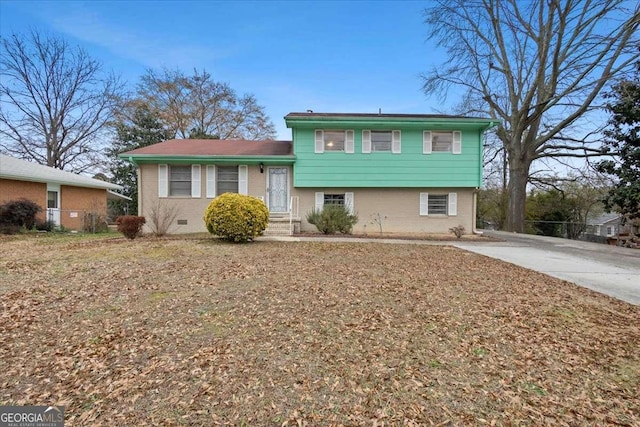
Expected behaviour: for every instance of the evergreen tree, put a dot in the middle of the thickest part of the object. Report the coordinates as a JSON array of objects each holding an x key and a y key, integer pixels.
[
  {"x": 141, "y": 129},
  {"x": 623, "y": 136}
]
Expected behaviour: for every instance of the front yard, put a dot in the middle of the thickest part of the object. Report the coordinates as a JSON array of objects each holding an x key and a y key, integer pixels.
[{"x": 200, "y": 332}]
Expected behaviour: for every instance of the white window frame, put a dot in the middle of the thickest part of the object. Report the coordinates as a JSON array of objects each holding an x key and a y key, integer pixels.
[
  {"x": 218, "y": 179},
  {"x": 169, "y": 180},
  {"x": 455, "y": 147},
  {"x": 368, "y": 144},
  {"x": 349, "y": 201},
  {"x": 451, "y": 204},
  {"x": 320, "y": 145}
]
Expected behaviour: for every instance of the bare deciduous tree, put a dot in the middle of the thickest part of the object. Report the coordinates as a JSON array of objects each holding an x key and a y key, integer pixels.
[
  {"x": 196, "y": 106},
  {"x": 54, "y": 102},
  {"x": 539, "y": 66}
]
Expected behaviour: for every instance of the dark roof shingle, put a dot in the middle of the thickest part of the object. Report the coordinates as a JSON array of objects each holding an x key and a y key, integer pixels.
[{"x": 215, "y": 147}]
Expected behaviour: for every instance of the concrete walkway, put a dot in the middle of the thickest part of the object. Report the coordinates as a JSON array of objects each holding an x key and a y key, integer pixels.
[{"x": 610, "y": 270}]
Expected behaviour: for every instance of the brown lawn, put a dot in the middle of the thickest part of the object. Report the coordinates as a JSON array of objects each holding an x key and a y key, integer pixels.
[{"x": 200, "y": 332}]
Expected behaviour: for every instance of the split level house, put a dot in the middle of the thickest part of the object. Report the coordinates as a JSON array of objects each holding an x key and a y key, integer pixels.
[
  {"x": 67, "y": 199},
  {"x": 402, "y": 173}
]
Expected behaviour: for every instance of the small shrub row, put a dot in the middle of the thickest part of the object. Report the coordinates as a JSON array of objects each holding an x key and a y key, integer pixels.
[
  {"x": 130, "y": 225},
  {"x": 236, "y": 217},
  {"x": 332, "y": 219}
]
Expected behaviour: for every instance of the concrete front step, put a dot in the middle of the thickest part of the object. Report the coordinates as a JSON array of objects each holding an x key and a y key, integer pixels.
[{"x": 280, "y": 226}]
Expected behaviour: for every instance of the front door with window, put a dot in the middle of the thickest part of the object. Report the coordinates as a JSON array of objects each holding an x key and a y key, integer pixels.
[{"x": 278, "y": 189}]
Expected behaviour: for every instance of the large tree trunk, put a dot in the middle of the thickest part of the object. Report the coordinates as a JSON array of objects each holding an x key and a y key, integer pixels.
[{"x": 517, "y": 194}]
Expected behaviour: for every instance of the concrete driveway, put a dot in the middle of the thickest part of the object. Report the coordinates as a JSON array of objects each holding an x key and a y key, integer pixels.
[{"x": 610, "y": 270}]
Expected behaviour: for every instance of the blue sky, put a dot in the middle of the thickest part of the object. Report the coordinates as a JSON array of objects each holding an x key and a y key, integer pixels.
[{"x": 327, "y": 56}]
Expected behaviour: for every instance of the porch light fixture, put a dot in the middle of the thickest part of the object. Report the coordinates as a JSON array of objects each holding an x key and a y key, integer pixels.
[{"x": 261, "y": 167}]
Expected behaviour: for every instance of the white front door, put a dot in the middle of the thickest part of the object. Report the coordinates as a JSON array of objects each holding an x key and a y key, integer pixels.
[
  {"x": 53, "y": 204},
  {"x": 278, "y": 189}
]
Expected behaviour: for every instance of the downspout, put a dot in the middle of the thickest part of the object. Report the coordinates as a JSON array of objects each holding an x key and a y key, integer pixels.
[
  {"x": 474, "y": 213},
  {"x": 138, "y": 184}
]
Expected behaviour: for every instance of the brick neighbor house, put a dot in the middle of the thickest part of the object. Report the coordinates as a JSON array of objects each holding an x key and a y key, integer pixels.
[{"x": 67, "y": 199}]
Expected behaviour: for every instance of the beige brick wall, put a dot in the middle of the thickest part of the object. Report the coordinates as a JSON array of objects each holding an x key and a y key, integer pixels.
[
  {"x": 398, "y": 208},
  {"x": 189, "y": 210}
]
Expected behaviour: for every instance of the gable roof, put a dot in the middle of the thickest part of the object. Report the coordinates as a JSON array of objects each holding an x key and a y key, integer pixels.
[
  {"x": 22, "y": 170},
  {"x": 214, "y": 151},
  {"x": 604, "y": 218},
  {"x": 215, "y": 147}
]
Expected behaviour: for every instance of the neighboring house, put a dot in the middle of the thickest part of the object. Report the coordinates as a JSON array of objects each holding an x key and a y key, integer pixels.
[
  {"x": 66, "y": 198},
  {"x": 606, "y": 225},
  {"x": 414, "y": 173}
]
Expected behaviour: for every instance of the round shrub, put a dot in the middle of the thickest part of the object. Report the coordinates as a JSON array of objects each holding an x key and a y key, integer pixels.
[{"x": 236, "y": 217}]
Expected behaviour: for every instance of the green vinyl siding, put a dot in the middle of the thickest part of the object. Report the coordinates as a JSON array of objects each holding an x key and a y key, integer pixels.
[{"x": 409, "y": 168}]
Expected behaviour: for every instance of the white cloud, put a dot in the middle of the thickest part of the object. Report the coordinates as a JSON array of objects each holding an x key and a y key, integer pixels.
[{"x": 149, "y": 48}]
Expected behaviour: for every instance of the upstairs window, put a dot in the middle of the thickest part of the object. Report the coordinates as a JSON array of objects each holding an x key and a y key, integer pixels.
[
  {"x": 180, "y": 180},
  {"x": 442, "y": 142},
  {"x": 381, "y": 140},
  {"x": 333, "y": 140}
]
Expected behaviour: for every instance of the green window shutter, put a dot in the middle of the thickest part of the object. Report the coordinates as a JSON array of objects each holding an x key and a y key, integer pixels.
[
  {"x": 319, "y": 200},
  {"x": 424, "y": 204},
  {"x": 348, "y": 202},
  {"x": 163, "y": 180},
  {"x": 426, "y": 142},
  {"x": 456, "y": 148},
  {"x": 395, "y": 142},
  {"x": 348, "y": 141},
  {"x": 319, "y": 141},
  {"x": 196, "y": 187},
  {"x": 366, "y": 141},
  {"x": 243, "y": 179},
  {"x": 211, "y": 181},
  {"x": 453, "y": 204}
]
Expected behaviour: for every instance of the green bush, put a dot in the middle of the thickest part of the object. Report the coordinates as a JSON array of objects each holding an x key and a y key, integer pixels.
[
  {"x": 236, "y": 217},
  {"x": 332, "y": 219},
  {"x": 130, "y": 225},
  {"x": 16, "y": 214}
]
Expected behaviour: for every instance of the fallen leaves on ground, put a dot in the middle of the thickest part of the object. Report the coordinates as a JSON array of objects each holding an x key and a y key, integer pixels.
[{"x": 200, "y": 332}]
